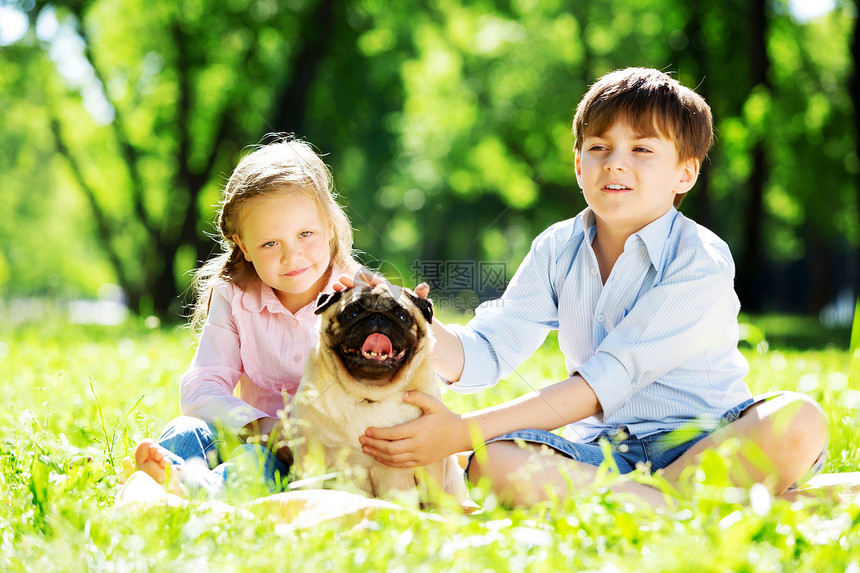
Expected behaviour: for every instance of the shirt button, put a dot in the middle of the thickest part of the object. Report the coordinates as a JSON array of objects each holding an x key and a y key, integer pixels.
[
  {"x": 600, "y": 318},
  {"x": 297, "y": 358},
  {"x": 593, "y": 271},
  {"x": 295, "y": 322}
]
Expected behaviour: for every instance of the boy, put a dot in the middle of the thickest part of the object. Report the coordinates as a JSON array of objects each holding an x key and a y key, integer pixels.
[{"x": 644, "y": 302}]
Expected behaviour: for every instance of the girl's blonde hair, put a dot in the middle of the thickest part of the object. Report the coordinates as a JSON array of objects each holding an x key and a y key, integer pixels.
[{"x": 287, "y": 165}]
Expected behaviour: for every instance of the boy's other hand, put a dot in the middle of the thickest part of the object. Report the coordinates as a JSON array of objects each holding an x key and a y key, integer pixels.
[
  {"x": 367, "y": 277},
  {"x": 364, "y": 276},
  {"x": 438, "y": 433},
  {"x": 422, "y": 290}
]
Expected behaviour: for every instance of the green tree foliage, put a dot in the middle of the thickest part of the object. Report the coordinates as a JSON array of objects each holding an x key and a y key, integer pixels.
[{"x": 446, "y": 123}]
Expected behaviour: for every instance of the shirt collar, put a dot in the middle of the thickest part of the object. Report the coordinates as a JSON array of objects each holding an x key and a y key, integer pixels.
[
  {"x": 258, "y": 295},
  {"x": 654, "y": 234},
  {"x": 588, "y": 226}
]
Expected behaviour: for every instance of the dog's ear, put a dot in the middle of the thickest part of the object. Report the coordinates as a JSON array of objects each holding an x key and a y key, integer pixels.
[
  {"x": 425, "y": 305},
  {"x": 327, "y": 299}
]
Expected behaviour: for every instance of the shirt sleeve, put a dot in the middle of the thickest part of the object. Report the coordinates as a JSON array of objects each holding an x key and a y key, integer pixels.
[
  {"x": 508, "y": 330},
  {"x": 693, "y": 308},
  {"x": 206, "y": 388}
]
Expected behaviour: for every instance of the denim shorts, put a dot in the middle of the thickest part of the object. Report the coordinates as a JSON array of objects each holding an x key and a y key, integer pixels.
[{"x": 655, "y": 451}]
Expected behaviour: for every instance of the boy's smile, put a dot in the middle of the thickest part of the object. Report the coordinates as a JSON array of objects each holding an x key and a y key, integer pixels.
[{"x": 630, "y": 179}]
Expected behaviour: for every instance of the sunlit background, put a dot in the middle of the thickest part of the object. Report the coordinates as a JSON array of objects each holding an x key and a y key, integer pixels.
[{"x": 446, "y": 124}]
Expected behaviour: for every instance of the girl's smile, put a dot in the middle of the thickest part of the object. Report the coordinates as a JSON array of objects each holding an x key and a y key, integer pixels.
[{"x": 296, "y": 272}]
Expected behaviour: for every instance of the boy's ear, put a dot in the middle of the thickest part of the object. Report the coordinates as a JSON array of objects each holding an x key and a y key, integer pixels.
[
  {"x": 689, "y": 174},
  {"x": 577, "y": 168}
]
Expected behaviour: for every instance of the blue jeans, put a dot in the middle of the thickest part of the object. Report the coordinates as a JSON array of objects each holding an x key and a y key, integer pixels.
[{"x": 194, "y": 445}]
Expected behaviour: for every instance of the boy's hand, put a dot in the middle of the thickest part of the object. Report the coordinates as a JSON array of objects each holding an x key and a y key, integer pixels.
[
  {"x": 368, "y": 277},
  {"x": 364, "y": 276},
  {"x": 439, "y": 432}
]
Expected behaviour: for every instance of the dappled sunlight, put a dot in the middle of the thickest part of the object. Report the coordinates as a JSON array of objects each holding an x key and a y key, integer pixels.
[{"x": 447, "y": 126}]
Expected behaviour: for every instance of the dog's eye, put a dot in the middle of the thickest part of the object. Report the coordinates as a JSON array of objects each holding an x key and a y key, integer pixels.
[
  {"x": 350, "y": 314},
  {"x": 402, "y": 315}
]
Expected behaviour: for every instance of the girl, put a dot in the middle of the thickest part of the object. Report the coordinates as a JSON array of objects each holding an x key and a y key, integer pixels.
[{"x": 284, "y": 240}]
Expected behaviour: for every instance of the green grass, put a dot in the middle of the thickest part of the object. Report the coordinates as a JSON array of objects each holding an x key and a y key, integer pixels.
[{"x": 74, "y": 391}]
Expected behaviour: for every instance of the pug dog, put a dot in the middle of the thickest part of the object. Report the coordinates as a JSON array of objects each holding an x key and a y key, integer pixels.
[{"x": 375, "y": 344}]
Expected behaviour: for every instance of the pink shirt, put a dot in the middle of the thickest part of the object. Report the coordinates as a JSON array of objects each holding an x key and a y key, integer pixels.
[{"x": 251, "y": 341}]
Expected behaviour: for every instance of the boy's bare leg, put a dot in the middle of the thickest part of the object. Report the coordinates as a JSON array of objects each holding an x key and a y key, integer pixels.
[
  {"x": 786, "y": 433},
  {"x": 523, "y": 476},
  {"x": 150, "y": 458},
  {"x": 779, "y": 441}
]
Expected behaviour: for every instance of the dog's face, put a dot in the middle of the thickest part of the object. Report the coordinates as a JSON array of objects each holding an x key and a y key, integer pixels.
[{"x": 373, "y": 333}]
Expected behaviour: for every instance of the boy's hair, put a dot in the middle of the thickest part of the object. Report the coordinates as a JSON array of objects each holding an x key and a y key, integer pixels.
[
  {"x": 287, "y": 165},
  {"x": 652, "y": 103}
]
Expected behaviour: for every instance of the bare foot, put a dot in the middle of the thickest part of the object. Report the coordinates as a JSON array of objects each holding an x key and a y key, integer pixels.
[
  {"x": 149, "y": 458},
  {"x": 126, "y": 470}
]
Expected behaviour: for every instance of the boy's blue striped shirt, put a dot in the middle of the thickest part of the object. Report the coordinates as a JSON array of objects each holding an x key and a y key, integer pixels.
[{"x": 657, "y": 343}]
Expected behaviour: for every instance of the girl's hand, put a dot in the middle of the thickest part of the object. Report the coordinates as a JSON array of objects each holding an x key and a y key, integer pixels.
[
  {"x": 268, "y": 432},
  {"x": 438, "y": 433}
]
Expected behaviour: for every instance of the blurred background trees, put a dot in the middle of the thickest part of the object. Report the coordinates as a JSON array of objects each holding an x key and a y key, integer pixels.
[{"x": 446, "y": 124}]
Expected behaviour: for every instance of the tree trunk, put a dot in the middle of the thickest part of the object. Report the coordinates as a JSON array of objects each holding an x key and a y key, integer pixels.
[
  {"x": 818, "y": 263},
  {"x": 749, "y": 270},
  {"x": 291, "y": 104},
  {"x": 855, "y": 99},
  {"x": 699, "y": 197}
]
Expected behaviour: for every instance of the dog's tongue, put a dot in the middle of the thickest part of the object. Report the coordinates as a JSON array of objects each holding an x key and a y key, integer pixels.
[{"x": 378, "y": 344}]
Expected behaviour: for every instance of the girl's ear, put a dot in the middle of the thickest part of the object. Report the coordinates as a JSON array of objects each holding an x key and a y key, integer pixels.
[
  {"x": 332, "y": 240},
  {"x": 238, "y": 241}
]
